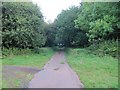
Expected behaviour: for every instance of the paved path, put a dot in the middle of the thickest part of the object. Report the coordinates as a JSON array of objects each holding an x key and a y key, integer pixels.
[{"x": 56, "y": 74}]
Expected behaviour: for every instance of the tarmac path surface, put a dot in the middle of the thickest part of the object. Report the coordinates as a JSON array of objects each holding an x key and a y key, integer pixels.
[{"x": 56, "y": 74}]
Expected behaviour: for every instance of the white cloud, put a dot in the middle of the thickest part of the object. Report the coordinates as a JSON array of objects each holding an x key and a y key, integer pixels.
[{"x": 51, "y": 8}]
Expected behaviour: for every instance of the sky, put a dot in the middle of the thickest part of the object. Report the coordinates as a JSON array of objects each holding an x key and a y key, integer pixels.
[{"x": 51, "y": 8}]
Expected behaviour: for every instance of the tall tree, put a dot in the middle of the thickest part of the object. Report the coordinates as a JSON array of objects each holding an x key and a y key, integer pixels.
[
  {"x": 22, "y": 25},
  {"x": 98, "y": 20},
  {"x": 50, "y": 33},
  {"x": 67, "y": 33}
]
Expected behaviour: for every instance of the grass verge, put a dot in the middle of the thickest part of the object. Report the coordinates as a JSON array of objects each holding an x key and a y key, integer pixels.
[
  {"x": 94, "y": 71},
  {"x": 0, "y": 73},
  {"x": 30, "y": 59}
]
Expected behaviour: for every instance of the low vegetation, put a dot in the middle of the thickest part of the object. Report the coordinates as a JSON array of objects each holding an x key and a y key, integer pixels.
[
  {"x": 29, "y": 59},
  {"x": 94, "y": 71},
  {"x": 103, "y": 48},
  {"x": 0, "y": 73}
]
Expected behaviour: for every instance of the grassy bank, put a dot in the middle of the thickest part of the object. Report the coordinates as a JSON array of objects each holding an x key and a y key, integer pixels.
[
  {"x": 0, "y": 73},
  {"x": 94, "y": 71},
  {"x": 31, "y": 59}
]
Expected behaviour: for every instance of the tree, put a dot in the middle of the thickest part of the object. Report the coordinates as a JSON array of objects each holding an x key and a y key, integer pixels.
[
  {"x": 66, "y": 32},
  {"x": 22, "y": 25},
  {"x": 98, "y": 20},
  {"x": 50, "y": 33}
]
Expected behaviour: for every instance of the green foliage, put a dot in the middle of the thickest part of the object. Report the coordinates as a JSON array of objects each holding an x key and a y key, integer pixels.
[
  {"x": 96, "y": 21},
  {"x": 67, "y": 34},
  {"x": 15, "y": 51},
  {"x": 80, "y": 40},
  {"x": 105, "y": 47},
  {"x": 50, "y": 32},
  {"x": 36, "y": 50},
  {"x": 22, "y": 25}
]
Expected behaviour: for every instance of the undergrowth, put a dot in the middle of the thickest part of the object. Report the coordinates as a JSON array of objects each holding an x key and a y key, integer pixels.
[{"x": 105, "y": 47}]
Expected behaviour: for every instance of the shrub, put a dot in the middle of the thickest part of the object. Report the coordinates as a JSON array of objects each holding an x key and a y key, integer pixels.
[
  {"x": 15, "y": 51},
  {"x": 105, "y": 47}
]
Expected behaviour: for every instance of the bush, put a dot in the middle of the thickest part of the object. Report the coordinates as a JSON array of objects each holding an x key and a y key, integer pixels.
[
  {"x": 15, "y": 51},
  {"x": 106, "y": 47}
]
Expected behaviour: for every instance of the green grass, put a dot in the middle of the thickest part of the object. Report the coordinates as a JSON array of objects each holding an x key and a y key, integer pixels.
[
  {"x": 94, "y": 71},
  {"x": 0, "y": 73},
  {"x": 31, "y": 60}
]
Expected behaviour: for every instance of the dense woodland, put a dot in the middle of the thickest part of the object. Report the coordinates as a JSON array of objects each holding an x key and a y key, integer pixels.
[{"x": 92, "y": 25}]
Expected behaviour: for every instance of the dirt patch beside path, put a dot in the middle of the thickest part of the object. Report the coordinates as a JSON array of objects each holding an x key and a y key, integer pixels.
[{"x": 16, "y": 76}]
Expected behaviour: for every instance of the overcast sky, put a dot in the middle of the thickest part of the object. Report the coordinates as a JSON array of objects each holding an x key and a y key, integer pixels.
[{"x": 51, "y": 8}]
